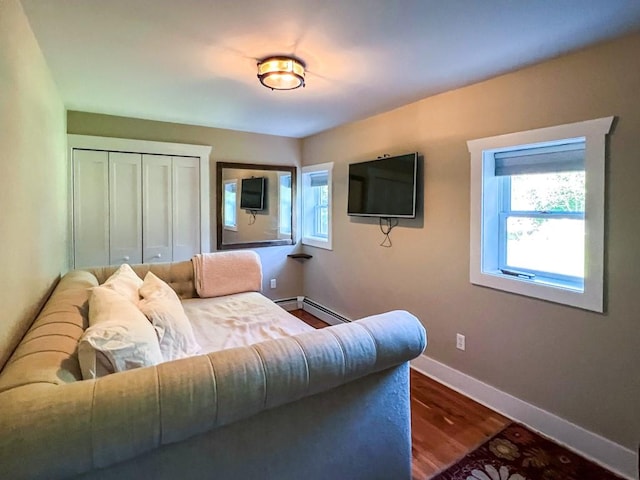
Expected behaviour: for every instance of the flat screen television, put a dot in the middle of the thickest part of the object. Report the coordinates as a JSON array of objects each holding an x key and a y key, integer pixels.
[
  {"x": 385, "y": 187},
  {"x": 252, "y": 193}
]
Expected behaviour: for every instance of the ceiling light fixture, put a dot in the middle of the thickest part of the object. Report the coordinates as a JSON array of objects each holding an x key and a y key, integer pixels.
[{"x": 281, "y": 73}]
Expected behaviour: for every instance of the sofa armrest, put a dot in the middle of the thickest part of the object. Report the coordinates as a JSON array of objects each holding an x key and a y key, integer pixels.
[{"x": 121, "y": 416}]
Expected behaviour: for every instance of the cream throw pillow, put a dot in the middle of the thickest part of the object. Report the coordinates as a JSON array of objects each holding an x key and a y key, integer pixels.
[
  {"x": 119, "y": 336},
  {"x": 163, "y": 308},
  {"x": 126, "y": 282}
]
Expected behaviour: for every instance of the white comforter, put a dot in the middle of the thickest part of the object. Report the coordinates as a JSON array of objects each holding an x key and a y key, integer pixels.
[{"x": 239, "y": 320}]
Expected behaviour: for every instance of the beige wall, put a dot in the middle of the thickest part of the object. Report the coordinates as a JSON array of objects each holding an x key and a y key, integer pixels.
[
  {"x": 228, "y": 146},
  {"x": 579, "y": 365},
  {"x": 33, "y": 177}
]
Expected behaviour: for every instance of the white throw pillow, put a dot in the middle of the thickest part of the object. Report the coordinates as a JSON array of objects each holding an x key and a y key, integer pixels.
[
  {"x": 163, "y": 308},
  {"x": 126, "y": 282},
  {"x": 119, "y": 333}
]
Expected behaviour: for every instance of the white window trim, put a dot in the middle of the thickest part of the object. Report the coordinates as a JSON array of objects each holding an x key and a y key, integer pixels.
[
  {"x": 307, "y": 239},
  {"x": 594, "y": 132},
  {"x": 232, "y": 228}
]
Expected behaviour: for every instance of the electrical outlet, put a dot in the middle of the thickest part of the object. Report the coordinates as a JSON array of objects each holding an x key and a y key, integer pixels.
[
  {"x": 460, "y": 341},
  {"x": 273, "y": 283}
]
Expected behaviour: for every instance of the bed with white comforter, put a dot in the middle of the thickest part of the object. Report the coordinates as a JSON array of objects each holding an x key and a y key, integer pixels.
[{"x": 239, "y": 320}]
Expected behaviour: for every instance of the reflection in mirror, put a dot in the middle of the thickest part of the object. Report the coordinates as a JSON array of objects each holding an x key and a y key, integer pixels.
[{"x": 255, "y": 205}]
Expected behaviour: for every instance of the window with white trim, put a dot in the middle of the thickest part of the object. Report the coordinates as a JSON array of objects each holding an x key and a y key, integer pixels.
[
  {"x": 537, "y": 213},
  {"x": 230, "y": 213},
  {"x": 316, "y": 205}
]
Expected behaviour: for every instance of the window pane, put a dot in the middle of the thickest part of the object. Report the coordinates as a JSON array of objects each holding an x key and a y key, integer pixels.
[
  {"x": 285, "y": 205},
  {"x": 321, "y": 221},
  {"x": 546, "y": 244},
  {"x": 230, "y": 204},
  {"x": 320, "y": 195},
  {"x": 323, "y": 195},
  {"x": 320, "y": 211},
  {"x": 548, "y": 192}
]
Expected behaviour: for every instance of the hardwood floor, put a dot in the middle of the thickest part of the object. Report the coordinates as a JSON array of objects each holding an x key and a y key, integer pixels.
[
  {"x": 445, "y": 425},
  {"x": 309, "y": 319}
]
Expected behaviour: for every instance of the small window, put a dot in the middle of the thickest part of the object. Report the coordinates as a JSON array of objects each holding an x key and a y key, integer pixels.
[
  {"x": 284, "y": 203},
  {"x": 230, "y": 213},
  {"x": 316, "y": 205},
  {"x": 537, "y": 213}
]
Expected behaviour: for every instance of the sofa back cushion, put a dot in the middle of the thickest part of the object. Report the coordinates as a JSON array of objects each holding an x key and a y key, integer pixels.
[
  {"x": 179, "y": 275},
  {"x": 48, "y": 351}
]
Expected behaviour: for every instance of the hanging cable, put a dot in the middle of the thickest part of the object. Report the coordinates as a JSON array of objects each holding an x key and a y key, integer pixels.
[
  {"x": 252, "y": 218},
  {"x": 386, "y": 230}
]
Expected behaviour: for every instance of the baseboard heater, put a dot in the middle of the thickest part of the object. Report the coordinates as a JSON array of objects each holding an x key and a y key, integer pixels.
[
  {"x": 325, "y": 310},
  {"x": 287, "y": 303},
  {"x": 320, "y": 311}
]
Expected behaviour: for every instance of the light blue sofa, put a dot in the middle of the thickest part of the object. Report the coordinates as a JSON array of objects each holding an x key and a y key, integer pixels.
[{"x": 327, "y": 404}]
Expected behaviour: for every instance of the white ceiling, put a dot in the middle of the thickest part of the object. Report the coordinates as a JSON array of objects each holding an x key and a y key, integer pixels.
[{"x": 194, "y": 61}]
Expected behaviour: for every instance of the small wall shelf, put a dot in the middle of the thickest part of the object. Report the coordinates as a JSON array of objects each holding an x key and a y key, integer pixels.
[{"x": 302, "y": 256}]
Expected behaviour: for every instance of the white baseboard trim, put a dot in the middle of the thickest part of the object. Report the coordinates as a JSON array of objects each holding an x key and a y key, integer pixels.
[
  {"x": 598, "y": 449},
  {"x": 323, "y": 313}
]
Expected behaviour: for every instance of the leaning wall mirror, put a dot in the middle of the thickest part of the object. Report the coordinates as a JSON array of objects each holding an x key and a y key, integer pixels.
[{"x": 255, "y": 205}]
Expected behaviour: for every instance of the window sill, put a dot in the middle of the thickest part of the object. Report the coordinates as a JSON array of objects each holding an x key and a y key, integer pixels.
[
  {"x": 541, "y": 280},
  {"x": 544, "y": 289},
  {"x": 231, "y": 229},
  {"x": 317, "y": 242}
]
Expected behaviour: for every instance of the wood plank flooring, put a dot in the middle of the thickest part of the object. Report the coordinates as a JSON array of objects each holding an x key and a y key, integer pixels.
[
  {"x": 309, "y": 319},
  {"x": 445, "y": 425}
]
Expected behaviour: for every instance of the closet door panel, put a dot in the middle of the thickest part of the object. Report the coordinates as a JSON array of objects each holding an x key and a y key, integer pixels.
[
  {"x": 125, "y": 216},
  {"x": 90, "y": 208},
  {"x": 157, "y": 207},
  {"x": 186, "y": 208}
]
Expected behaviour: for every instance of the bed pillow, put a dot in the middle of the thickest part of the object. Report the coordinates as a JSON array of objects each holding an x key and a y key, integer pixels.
[
  {"x": 163, "y": 308},
  {"x": 126, "y": 282},
  {"x": 119, "y": 336}
]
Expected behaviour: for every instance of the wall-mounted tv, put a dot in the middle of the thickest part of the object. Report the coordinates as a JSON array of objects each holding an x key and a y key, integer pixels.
[
  {"x": 385, "y": 187},
  {"x": 252, "y": 193}
]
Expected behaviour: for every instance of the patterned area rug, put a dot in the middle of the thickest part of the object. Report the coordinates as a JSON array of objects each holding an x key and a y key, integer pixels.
[{"x": 517, "y": 453}]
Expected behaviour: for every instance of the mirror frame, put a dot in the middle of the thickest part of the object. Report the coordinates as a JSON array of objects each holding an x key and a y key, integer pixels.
[{"x": 219, "y": 205}]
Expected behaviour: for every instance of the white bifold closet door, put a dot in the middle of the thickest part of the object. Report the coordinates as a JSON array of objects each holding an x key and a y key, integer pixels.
[
  {"x": 134, "y": 208},
  {"x": 186, "y": 208},
  {"x": 90, "y": 208},
  {"x": 157, "y": 236},
  {"x": 171, "y": 208},
  {"x": 125, "y": 201}
]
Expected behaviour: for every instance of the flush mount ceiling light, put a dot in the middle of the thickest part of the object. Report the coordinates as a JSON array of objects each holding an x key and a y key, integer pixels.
[{"x": 281, "y": 73}]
